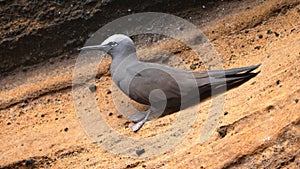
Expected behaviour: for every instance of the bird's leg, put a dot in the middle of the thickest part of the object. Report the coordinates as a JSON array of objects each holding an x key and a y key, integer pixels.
[
  {"x": 138, "y": 125},
  {"x": 137, "y": 116}
]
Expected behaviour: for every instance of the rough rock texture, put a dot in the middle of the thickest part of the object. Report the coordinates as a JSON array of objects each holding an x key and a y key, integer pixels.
[
  {"x": 34, "y": 31},
  {"x": 39, "y": 125}
]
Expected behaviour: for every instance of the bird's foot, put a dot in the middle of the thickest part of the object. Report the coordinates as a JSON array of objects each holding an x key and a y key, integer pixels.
[{"x": 138, "y": 125}]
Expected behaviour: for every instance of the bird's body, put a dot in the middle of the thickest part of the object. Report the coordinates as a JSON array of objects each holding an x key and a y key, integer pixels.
[{"x": 161, "y": 86}]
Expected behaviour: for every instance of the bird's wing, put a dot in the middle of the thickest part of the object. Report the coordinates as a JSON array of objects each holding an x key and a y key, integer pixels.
[
  {"x": 177, "y": 83},
  {"x": 148, "y": 77}
]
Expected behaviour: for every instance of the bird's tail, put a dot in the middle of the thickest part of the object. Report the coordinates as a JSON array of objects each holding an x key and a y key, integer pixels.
[
  {"x": 230, "y": 76},
  {"x": 214, "y": 82}
]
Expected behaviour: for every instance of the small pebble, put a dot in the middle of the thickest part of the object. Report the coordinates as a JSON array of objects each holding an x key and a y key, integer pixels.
[
  {"x": 92, "y": 88},
  {"x": 193, "y": 66},
  {"x": 269, "y": 108},
  {"x": 21, "y": 113},
  {"x": 269, "y": 32},
  {"x": 222, "y": 131},
  {"x": 257, "y": 47},
  {"x": 8, "y": 123},
  {"x": 225, "y": 113},
  {"x": 140, "y": 151},
  {"x": 22, "y": 105},
  {"x": 29, "y": 162},
  {"x": 246, "y": 31},
  {"x": 120, "y": 116},
  {"x": 25, "y": 100},
  {"x": 296, "y": 100},
  {"x": 277, "y": 82},
  {"x": 292, "y": 30},
  {"x": 110, "y": 114},
  {"x": 108, "y": 91},
  {"x": 276, "y": 34},
  {"x": 66, "y": 129},
  {"x": 260, "y": 36}
]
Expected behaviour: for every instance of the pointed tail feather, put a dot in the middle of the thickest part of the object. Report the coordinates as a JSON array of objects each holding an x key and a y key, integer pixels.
[
  {"x": 232, "y": 75},
  {"x": 232, "y": 78},
  {"x": 234, "y": 71}
]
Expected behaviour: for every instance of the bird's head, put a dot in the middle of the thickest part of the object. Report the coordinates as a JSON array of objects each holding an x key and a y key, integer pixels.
[{"x": 115, "y": 45}]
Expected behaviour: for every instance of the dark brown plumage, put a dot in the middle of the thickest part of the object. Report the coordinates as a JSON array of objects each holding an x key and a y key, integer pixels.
[{"x": 165, "y": 88}]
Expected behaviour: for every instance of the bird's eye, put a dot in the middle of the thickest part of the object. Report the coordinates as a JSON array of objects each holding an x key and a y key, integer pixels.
[{"x": 112, "y": 44}]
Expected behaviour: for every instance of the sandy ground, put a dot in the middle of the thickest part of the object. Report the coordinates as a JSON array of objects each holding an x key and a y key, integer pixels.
[{"x": 260, "y": 129}]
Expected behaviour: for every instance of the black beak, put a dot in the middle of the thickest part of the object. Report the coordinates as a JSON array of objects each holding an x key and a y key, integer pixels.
[{"x": 104, "y": 48}]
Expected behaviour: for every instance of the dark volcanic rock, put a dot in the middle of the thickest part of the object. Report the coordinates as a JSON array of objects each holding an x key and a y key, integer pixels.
[{"x": 35, "y": 31}]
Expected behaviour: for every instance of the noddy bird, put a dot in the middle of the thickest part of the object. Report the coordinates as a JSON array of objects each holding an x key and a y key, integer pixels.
[{"x": 161, "y": 86}]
